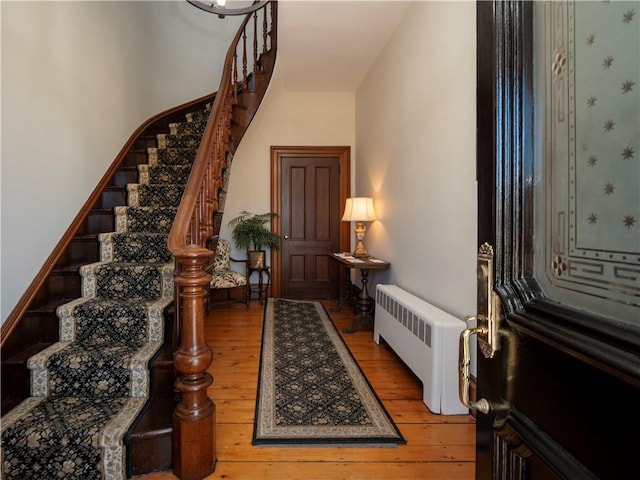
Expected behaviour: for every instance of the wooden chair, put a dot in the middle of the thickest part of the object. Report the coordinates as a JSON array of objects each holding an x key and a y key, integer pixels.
[{"x": 224, "y": 279}]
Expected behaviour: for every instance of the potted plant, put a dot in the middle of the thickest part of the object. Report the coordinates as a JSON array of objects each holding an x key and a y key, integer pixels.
[{"x": 251, "y": 234}]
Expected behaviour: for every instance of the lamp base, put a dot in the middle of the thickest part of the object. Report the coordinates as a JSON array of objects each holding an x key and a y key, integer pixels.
[{"x": 360, "y": 251}]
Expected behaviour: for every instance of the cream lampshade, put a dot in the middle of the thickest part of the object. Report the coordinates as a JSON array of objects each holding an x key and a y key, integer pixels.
[{"x": 359, "y": 209}]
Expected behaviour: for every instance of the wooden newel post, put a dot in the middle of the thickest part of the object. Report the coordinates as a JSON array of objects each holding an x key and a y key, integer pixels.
[{"x": 194, "y": 418}]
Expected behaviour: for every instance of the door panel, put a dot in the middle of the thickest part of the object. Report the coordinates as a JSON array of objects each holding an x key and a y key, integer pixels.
[
  {"x": 565, "y": 383},
  {"x": 323, "y": 268},
  {"x": 310, "y": 185},
  {"x": 311, "y": 222}
]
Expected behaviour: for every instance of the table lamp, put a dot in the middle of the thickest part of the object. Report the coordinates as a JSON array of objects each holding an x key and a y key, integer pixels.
[{"x": 359, "y": 209}]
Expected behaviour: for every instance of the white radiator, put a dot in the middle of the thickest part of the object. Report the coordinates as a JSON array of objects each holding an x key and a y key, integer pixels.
[{"x": 426, "y": 339}]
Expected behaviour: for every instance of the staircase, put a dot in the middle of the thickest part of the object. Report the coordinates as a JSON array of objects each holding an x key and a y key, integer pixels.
[
  {"x": 88, "y": 389},
  {"x": 87, "y": 356}
]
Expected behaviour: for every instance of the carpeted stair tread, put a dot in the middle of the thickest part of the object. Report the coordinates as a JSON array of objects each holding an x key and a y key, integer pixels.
[
  {"x": 53, "y": 462},
  {"x": 185, "y": 128},
  {"x": 178, "y": 141},
  {"x": 171, "y": 156},
  {"x": 110, "y": 329},
  {"x": 127, "y": 280},
  {"x": 105, "y": 320},
  {"x": 144, "y": 219},
  {"x": 142, "y": 247},
  {"x": 92, "y": 413},
  {"x": 156, "y": 195},
  {"x": 200, "y": 115},
  {"x": 66, "y": 438},
  {"x": 164, "y": 174},
  {"x": 92, "y": 370}
]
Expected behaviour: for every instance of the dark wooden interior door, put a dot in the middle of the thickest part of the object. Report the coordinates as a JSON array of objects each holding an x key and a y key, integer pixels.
[
  {"x": 311, "y": 199},
  {"x": 564, "y": 386}
]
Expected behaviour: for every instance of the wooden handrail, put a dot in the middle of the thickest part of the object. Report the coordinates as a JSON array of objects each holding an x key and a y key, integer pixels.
[{"x": 194, "y": 417}]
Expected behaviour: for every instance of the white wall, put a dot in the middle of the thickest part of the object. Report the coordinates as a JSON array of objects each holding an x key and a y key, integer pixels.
[
  {"x": 284, "y": 119},
  {"x": 415, "y": 132},
  {"x": 77, "y": 79}
]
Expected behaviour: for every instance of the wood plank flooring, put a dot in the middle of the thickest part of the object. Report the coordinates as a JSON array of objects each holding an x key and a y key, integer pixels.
[{"x": 438, "y": 447}]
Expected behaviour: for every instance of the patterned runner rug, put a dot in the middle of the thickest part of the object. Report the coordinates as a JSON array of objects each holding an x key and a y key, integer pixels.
[{"x": 310, "y": 388}]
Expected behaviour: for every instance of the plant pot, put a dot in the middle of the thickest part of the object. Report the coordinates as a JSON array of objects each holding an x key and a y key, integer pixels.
[{"x": 257, "y": 259}]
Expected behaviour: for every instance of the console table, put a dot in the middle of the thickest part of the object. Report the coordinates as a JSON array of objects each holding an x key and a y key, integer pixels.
[{"x": 364, "y": 302}]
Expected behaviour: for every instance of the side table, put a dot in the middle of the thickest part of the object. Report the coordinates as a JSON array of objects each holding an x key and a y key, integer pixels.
[
  {"x": 364, "y": 302},
  {"x": 262, "y": 287}
]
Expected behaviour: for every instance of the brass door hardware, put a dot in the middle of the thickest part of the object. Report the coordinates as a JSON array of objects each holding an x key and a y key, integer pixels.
[{"x": 487, "y": 319}]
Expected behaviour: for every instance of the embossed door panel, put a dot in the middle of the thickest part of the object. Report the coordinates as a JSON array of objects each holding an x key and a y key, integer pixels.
[
  {"x": 588, "y": 190},
  {"x": 559, "y": 200}
]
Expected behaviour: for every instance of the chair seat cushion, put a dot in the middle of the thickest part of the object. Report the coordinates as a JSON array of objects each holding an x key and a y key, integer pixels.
[{"x": 228, "y": 279}]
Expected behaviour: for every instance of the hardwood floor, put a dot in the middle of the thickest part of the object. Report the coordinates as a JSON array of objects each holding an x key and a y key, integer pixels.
[{"x": 438, "y": 447}]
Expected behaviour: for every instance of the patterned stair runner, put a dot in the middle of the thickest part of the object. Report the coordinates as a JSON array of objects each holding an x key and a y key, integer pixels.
[{"x": 88, "y": 389}]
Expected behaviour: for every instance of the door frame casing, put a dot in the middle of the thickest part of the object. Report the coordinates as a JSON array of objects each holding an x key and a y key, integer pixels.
[{"x": 277, "y": 153}]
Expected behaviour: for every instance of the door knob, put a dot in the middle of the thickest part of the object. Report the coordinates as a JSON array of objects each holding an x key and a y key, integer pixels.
[{"x": 286, "y": 237}]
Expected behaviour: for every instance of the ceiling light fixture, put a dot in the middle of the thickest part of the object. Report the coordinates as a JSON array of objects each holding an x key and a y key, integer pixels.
[{"x": 220, "y": 8}]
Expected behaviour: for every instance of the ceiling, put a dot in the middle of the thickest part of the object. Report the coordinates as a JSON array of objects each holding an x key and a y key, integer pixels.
[{"x": 331, "y": 45}]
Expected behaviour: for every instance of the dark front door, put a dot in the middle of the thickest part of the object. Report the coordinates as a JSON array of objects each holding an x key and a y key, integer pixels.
[
  {"x": 558, "y": 172},
  {"x": 311, "y": 192}
]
